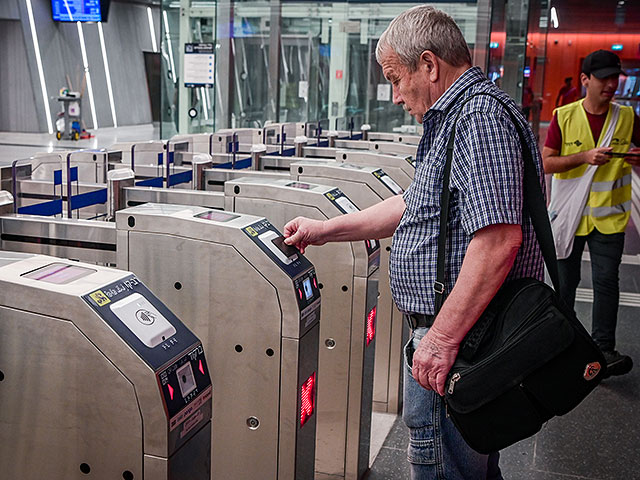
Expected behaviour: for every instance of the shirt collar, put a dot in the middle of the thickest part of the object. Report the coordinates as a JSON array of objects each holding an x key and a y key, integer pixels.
[{"x": 470, "y": 76}]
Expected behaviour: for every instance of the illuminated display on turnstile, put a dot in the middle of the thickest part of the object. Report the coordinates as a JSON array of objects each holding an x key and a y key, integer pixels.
[
  {"x": 307, "y": 399},
  {"x": 59, "y": 273},
  {"x": 371, "y": 325}
]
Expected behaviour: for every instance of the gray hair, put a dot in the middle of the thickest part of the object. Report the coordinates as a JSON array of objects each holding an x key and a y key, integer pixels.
[{"x": 424, "y": 28}]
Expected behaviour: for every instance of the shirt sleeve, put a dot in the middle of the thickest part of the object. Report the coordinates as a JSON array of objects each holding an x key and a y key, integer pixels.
[
  {"x": 490, "y": 171},
  {"x": 554, "y": 135}
]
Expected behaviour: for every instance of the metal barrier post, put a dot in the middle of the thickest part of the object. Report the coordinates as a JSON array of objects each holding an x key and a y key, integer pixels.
[
  {"x": 365, "y": 131},
  {"x": 199, "y": 163},
  {"x": 299, "y": 143},
  {"x": 257, "y": 152},
  {"x": 117, "y": 180}
]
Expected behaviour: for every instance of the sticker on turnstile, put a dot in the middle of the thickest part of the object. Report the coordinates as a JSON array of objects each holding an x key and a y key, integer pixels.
[
  {"x": 341, "y": 201},
  {"x": 388, "y": 181},
  {"x": 142, "y": 318}
]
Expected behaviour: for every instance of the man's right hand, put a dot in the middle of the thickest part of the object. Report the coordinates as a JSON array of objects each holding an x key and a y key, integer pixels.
[
  {"x": 302, "y": 232},
  {"x": 597, "y": 156}
]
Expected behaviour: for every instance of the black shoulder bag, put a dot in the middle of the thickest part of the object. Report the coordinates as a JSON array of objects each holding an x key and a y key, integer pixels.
[{"x": 528, "y": 357}]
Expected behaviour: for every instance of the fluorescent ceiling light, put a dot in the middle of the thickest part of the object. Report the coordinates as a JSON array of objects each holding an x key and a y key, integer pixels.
[
  {"x": 108, "y": 74},
  {"x": 152, "y": 30},
  {"x": 36, "y": 47},
  {"x": 169, "y": 46},
  {"x": 85, "y": 63},
  {"x": 554, "y": 17}
]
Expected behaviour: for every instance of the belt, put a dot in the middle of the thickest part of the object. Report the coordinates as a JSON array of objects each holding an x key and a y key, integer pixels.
[{"x": 419, "y": 320}]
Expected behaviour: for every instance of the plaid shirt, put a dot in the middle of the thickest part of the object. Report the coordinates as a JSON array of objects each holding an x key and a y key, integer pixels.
[{"x": 485, "y": 185}]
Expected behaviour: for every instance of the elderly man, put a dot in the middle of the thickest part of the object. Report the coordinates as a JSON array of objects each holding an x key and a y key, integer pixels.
[{"x": 425, "y": 57}]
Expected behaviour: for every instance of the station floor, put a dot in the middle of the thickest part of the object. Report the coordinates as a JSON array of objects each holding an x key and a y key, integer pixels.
[{"x": 599, "y": 440}]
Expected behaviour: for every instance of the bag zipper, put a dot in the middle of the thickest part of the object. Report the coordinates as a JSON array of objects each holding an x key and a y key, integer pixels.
[{"x": 452, "y": 382}]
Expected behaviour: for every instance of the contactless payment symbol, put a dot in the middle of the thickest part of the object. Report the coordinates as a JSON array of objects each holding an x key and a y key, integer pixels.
[
  {"x": 251, "y": 231},
  {"x": 330, "y": 197},
  {"x": 100, "y": 298},
  {"x": 145, "y": 317}
]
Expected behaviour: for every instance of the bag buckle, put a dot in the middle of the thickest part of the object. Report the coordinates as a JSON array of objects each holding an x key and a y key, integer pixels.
[{"x": 438, "y": 287}]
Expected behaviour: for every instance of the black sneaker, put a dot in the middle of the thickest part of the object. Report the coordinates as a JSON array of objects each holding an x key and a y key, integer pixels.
[{"x": 617, "y": 364}]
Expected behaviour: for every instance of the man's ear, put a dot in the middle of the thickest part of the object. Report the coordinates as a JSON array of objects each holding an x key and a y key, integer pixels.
[
  {"x": 429, "y": 63},
  {"x": 584, "y": 79}
]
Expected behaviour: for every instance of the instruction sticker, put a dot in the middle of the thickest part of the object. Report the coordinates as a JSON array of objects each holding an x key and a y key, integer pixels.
[{"x": 100, "y": 298}]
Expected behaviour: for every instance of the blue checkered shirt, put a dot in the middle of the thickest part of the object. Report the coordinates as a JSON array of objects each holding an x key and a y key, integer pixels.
[{"x": 485, "y": 185}]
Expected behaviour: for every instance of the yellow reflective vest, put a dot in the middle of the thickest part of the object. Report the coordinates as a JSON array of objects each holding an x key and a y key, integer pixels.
[{"x": 609, "y": 204}]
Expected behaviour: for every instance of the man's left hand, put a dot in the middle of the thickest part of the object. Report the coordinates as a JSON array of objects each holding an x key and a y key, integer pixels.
[
  {"x": 635, "y": 161},
  {"x": 433, "y": 359}
]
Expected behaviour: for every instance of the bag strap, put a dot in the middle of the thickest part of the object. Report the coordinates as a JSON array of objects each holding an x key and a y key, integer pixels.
[{"x": 533, "y": 202}]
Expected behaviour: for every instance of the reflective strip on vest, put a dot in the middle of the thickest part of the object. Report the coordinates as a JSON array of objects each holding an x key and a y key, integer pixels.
[
  {"x": 611, "y": 185},
  {"x": 600, "y": 212},
  {"x": 608, "y": 203}
]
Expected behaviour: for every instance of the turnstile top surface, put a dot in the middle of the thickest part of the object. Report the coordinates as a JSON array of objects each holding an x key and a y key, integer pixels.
[
  {"x": 243, "y": 232},
  {"x": 373, "y": 176},
  {"x": 200, "y": 215},
  {"x": 374, "y": 158},
  {"x": 16, "y": 265}
]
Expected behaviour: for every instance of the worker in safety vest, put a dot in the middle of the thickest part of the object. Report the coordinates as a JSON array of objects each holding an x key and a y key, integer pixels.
[{"x": 588, "y": 151}]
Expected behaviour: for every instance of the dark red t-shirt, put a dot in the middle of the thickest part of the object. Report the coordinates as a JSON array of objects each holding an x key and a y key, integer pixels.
[{"x": 596, "y": 122}]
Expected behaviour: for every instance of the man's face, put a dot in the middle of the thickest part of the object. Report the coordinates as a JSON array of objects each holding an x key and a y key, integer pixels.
[
  {"x": 410, "y": 89},
  {"x": 600, "y": 89}
]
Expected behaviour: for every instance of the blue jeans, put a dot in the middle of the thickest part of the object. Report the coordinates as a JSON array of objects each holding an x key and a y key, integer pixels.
[
  {"x": 436, "y": 450},
  {"x": 606, "y": 255}
]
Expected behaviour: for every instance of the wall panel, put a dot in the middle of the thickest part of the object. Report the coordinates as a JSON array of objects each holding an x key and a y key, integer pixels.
[{"x": 17, "y": 103}]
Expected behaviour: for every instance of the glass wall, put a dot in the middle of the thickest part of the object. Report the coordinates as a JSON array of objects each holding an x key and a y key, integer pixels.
[
  {"x": 280, "y": 61},
  {"x": 186, "y": 25}
]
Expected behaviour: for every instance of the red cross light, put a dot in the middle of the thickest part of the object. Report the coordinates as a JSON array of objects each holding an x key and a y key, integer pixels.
[
  {"x": 371, "y": 325},
  {"x": 307, "y": 399}
]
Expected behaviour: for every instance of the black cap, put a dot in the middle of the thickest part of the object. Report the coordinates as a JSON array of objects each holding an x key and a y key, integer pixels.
[{"x": 602, "y": 64}]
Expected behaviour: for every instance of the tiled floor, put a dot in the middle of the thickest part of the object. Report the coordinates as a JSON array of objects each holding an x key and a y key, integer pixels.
[{"x": 15, "y": 146}]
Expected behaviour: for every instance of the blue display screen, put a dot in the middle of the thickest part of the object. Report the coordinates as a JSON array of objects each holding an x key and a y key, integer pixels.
[{"x": 76, "y": 10}]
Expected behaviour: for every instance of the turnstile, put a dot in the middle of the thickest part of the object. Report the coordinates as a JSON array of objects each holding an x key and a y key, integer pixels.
[
  {"x": 367, "y": 186},
  {"x": 401, "y": 168},
  {"x": 348, "y": 272},
  {"x": 255, "y": 303},
  {"x": 98, "y": 378},
  {"x": 398, "y": 168}
]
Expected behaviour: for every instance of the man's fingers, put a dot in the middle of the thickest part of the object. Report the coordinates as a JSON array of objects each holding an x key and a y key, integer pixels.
[
  {"x": 293, "y": 238},
  {"x": 439, "y": 384}
]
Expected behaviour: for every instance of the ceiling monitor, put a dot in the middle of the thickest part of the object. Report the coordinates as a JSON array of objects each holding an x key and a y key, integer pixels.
[{"x": 80, "y": 10}]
